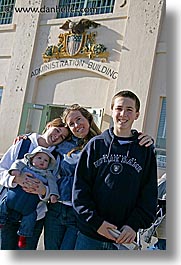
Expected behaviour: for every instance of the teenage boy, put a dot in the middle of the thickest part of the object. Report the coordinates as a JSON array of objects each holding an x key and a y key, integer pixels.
[{"x": 115, "y": 186}]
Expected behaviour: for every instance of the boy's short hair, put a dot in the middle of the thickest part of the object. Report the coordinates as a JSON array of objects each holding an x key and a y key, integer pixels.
[{"x": 127, "y": 94}]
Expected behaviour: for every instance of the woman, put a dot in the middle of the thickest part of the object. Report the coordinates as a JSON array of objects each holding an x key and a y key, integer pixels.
[
  {"x": 60, "y": 222},
  {"x": 63, "y": 233},
  {"x": 54, "y": 133}
]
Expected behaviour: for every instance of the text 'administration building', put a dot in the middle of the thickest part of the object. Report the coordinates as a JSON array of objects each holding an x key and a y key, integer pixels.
[{"x": 56, "y": 53}]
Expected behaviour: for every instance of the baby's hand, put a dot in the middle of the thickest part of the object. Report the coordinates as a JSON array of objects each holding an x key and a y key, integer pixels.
[
  {"x": 53, "y": 199},
  {"x": 15, "y": 173}
]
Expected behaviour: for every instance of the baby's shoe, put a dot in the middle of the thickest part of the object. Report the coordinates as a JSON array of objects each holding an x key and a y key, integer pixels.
[{"x": 22, "y": 242}]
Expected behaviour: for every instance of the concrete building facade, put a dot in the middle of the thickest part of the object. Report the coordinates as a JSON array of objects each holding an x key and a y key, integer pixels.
[{"x": 127, "y": 50}]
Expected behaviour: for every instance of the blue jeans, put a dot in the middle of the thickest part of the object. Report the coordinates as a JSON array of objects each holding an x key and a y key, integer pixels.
[
  {"x": 9, "y": 236},
  {"x": 21, "y": 201},
  {"x": 161, "y": 244},
  {"x": 60, "y": 230},
  {"x": 87, "y": 243},
  {"x": 27, "y": 224}
]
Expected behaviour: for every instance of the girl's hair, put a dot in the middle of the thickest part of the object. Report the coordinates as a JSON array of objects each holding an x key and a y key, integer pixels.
[
  {"x": 57, "y": 122},
  {"x": 93, "y": 130}
]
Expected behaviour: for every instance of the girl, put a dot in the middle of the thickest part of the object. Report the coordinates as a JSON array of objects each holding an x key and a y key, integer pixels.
[{"x": 54, "y": 133}]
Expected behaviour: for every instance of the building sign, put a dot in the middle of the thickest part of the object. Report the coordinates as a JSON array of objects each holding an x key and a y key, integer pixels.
[
  {"x": 77, "y": 42},
  {"x": 84, "y": 64},
  {"x": 77, "y": 49}
]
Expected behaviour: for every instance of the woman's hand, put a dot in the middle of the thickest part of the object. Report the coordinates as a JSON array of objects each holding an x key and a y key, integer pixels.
[
  {"x": 34, "y": 186},
  {"x": 145, "y": 140},
  {"x": 30, "y": 185},
  {"x": 22, "y": 178}
]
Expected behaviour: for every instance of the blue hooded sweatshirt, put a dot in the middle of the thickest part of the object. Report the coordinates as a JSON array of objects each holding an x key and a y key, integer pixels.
[{"x": 115, "y": 181}]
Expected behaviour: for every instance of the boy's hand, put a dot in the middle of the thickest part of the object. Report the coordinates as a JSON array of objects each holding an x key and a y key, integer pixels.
[
  {"x": 104, "y": 230},
  {"x": 127, "y": 235},
  {"x": 145, "y": 140}
]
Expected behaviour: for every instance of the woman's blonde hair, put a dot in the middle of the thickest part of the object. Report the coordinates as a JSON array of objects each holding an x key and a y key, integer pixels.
[{"x": 93, "y": 130}]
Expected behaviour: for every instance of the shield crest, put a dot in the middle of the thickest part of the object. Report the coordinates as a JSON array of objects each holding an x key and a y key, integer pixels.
[{"x": 74, "y": 43}]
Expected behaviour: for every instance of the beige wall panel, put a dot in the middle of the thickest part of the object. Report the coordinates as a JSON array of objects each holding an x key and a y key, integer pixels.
[
  {"x": 87, "y": 91},
  {"x": 4, "y": 69},
  {"x": 158, "y": 91},
  {"x": 72, "y": 86},
  {"x": 7, "y": 39}
]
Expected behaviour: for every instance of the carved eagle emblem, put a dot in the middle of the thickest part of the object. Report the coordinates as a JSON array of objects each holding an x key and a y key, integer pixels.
[{"x": 79, "y": 27}]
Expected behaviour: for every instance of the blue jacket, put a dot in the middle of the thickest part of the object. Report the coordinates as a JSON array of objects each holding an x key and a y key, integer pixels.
[
  {"x": 115, "y": 181},
  {"x": 67, "y": 166}
]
